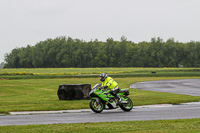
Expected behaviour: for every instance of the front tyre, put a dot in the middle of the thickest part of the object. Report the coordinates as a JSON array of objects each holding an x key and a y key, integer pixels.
[
  {"x": 127, "y": 106},
  {"x": 97, "y": 108}
]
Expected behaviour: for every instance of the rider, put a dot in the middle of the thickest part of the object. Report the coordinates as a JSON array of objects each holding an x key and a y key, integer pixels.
[{"x": 109, "y": 83}]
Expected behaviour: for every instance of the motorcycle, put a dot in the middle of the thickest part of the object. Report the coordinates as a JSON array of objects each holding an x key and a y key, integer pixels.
[{"x": 102, "y": 99}]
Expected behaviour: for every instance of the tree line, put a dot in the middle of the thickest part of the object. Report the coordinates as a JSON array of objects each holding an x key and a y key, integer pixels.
[{"x": 67, "y": 52}]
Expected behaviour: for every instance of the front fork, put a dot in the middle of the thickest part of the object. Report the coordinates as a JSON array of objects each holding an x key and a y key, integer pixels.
[{"x": 97, "y": 101}]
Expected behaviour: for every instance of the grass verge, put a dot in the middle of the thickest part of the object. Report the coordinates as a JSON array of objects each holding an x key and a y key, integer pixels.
[
  {"x": 141, "y": 74},
  {"x": 158, "y": 126},
  {"x": 46, "y": 73},
  {"x": 41, "y": 94}
]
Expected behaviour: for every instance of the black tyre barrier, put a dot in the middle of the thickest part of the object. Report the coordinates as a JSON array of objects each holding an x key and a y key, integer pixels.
[{"x": 74, "y": 91}]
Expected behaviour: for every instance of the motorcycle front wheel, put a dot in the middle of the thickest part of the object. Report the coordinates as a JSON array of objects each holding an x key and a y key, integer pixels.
[
  {"x": 127, "y": 106},
  {"x": 97, "y": 108}
]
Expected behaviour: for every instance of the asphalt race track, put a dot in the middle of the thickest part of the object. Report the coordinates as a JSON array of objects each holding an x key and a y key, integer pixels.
[
  {"x": 184, "y": 86},
  {"x": 149, "y": 113},
  {"x": 159, "y": 112}
]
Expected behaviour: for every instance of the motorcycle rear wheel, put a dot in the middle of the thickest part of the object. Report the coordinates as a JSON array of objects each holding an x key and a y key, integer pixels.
[
  {"x": 128, "y": 106},
  {"x": 97, "y": 108}
]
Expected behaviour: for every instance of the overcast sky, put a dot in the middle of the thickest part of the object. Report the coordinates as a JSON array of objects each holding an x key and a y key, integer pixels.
[{"x": 24, "y": 22}]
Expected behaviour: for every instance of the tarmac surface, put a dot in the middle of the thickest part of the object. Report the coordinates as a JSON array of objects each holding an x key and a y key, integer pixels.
[
  {"x": 156, "y": 112},
  {"x": 149, "y": 112},
  {"x": 183, "y": 86}
]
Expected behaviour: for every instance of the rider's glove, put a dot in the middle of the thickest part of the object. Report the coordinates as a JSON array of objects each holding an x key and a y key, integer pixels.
[
  {"x": 101, "y": 88},
  {"x": 105, "y": 87}
]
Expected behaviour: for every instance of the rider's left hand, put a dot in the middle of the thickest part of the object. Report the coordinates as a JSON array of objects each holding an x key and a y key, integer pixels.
[{"x": 101, "y": 88}]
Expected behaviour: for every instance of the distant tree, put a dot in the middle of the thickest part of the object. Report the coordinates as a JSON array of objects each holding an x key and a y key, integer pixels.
[
  {"x": 12, "y": 59},
  {"x": 25, "y": 57},
  {"x": 2, "y": 65}
]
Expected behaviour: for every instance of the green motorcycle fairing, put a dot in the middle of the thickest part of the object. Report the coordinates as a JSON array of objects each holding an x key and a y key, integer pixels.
[{"x": 105, "y": 95}]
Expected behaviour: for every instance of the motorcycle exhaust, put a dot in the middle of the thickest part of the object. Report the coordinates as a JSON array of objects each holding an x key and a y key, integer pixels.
[{"x": 124, "y": 102}]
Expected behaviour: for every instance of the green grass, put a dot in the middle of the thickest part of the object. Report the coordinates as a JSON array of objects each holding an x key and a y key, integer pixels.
[
  {"x": 80, "y": 71},
  {"x": 41, "y": 94},
  {"x": 46, "y": 73},
  {"x": 156, "y": 126},
  {"x": 147, "y": 74}
]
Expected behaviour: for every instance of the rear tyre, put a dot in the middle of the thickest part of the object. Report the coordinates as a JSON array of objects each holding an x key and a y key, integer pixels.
[
  {"x": 127, "y": 106},
  {"x": 97, "y": 108}
]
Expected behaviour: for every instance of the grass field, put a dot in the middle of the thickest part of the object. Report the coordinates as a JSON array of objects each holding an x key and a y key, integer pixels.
[
  {"x": 41, "y": 94},
  {"x": 81, "y": 71},
  {"x": 156, "y": 126},
  {"x": 36, "y": 89},
  {"x": 92, "y": 70},
  {"x": 45, "y": 73}
]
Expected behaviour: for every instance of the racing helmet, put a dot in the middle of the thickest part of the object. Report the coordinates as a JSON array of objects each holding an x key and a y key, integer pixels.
[{"x": 103, "y": 76}]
